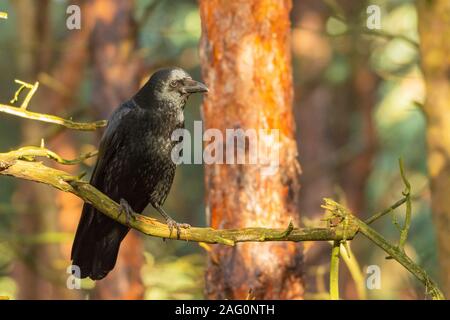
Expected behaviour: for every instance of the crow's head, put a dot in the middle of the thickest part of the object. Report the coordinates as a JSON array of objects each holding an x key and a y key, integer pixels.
[{"x": 171, "y": 85}]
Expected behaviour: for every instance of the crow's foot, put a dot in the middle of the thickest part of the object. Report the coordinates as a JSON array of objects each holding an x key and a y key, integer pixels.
[
  {"x": 126, "y": 209},
  {"x": 173, "y": 224}
]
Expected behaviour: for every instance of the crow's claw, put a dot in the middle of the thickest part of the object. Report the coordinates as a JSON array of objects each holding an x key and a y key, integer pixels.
[
  {"x": 126, "y": 209},
  {"x": 173, "y": 224}
]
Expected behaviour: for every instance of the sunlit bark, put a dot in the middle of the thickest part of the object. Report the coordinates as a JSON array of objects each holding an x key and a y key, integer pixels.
[{"x": 246, "y": 63}]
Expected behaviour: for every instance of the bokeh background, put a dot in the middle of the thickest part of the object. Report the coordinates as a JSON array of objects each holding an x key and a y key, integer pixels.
[{"x": 358, "y": 98}]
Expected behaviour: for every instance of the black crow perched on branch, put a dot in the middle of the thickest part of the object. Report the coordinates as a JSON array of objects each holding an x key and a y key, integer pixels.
[{"x": 134, "y": 166}]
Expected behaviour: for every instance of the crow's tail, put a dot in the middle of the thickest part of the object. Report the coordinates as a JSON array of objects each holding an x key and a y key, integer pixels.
[{"x": 96, "y": 243}]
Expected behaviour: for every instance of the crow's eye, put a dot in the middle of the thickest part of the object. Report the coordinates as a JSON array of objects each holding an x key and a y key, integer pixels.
[{"x": 173, "y": 83}]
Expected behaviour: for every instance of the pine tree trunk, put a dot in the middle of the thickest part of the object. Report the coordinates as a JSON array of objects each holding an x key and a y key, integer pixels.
[{"x": 246, "y": 63}]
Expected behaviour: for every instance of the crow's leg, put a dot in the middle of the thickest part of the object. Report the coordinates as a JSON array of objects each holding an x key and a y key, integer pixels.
[
  {"x": 172, "y": 223},
  {"x": 126, "y": 209}
]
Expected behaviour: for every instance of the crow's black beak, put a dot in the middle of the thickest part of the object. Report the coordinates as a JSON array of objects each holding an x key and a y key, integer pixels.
[{"x": 192, "y": 86}]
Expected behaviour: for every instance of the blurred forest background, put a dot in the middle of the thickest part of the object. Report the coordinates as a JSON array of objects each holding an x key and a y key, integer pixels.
[{"x": 357, "y": 106}]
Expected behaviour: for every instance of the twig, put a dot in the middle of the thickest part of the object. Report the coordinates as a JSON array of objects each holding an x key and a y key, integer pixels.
[
  {"x": 391, "y": 36},
  {"x": 334, "y": 271},
  {"x": 52, "y": 119},
  {"x": 30, "y": 153},
  {"x": 394, "y": 252},
  {"x": 355, "y": 271},
  {"x": 402, "y": 258},
  {"x": 407, "y": 194},
  {"x": 33, "y": 88},
  {"x": 380, "y": 214},
  {"x": 376, "y": 33},
  {"x": 24, "y": 113}
]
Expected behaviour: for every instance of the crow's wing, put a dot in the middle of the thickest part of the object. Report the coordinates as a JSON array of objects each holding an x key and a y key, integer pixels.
[{"x": 98, "y": 237}]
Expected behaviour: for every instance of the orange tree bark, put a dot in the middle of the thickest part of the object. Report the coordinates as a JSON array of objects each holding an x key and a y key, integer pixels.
[
  {"x": 116, "y": 78},
  {"x": 434, "y": 30},
  {"x": 246, "y": 63}
]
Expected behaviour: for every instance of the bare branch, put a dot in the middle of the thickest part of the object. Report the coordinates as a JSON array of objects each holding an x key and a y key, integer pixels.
[
  {"x": 334, "y": 270},
  {"x": 14, "y": 165},
  {"x": 52, "y": 119},
  {"x": 407, "y": 194},
  {"x": 394, "y": 252},
  {"x": 24, "y": 113},
  {"x": 30, "y": 153}
]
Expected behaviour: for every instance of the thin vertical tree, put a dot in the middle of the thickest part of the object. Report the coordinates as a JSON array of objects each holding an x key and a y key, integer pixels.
[
  {"x": 336, "y": 159},
  {"x": 32, "y": 261},
  {"x": 434, "y": 31},
  {"x": 116, "y": 72},
  {"x": 35, "y": 273},
  {"x": 246, "y": 63}
]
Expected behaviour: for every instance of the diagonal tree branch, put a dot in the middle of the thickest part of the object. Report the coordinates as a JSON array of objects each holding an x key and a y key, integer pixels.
[
  {"x": 12, "y": 164},
  {"x": 23, "y": 113}
]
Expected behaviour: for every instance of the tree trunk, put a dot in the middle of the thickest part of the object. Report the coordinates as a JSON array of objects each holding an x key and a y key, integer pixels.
[
  {"x": 246, "y": 63},
  {"x": 434, "y": 30},
  {"x": 355, "y": 100},
  {"x": 116, "y": 79},
  {"x": 55, "y": 211},
  {"x": 332, "y": 154},
  {"x": 313, "y": 105},
  {"x": 68, "y": 74}
]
